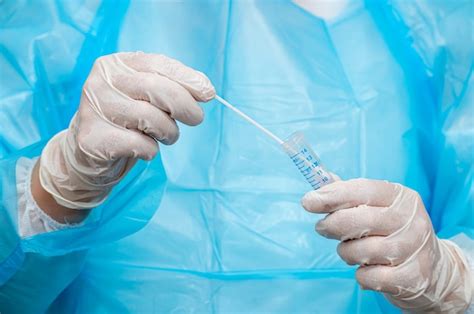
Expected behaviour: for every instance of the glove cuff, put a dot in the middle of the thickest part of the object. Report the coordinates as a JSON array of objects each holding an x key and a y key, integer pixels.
[
  {"x": 75, "y": 178},
  {"x": 448, "y": 285},
  {"x": 455, "y": 278}
]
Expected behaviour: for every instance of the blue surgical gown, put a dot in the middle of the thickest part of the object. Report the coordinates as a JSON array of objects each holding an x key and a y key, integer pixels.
[{"x": 214, "y": 224}]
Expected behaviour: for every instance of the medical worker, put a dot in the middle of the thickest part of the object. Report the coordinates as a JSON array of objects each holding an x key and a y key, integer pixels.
[
  {"x": 132, "y": 100},
  {"x": 86, "y": 183}
]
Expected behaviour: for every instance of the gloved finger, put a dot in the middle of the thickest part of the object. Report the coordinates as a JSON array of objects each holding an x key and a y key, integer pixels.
[
  {"x": 385, "y": 279},
  {"x": 375, "y": 250},
  {"x": 335, "y": 176},
  {"x": 130, "y": 144},
  {"x": 352, "y": 193},
  {"x": 110, "y": 143},
  {"x": 143, "y": 117},
  {"x": 162, "y": 93},
  {"x": 360, "y": 221},
  {"x": 193, "y": 81}
]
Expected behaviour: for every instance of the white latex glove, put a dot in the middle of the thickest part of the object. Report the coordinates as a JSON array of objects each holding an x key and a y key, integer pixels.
[
  {"x": 128, "y": 101},
  {"x": 384, "y": 228}
]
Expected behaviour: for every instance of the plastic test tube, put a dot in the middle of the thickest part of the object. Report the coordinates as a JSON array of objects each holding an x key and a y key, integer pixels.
[{"x": 305, "y": 159}]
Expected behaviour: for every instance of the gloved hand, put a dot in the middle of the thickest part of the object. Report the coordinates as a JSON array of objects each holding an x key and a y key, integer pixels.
[
  {"x": 128, "y": 101},
  {"x": 384, "y": 228}
]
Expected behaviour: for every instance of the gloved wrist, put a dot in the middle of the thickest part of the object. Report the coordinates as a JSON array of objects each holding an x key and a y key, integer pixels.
[
  {"x": 459, "y": 293},
  {"x": 43, "y": 211},
  {"x": 449, "y": 289},
  {"x": 74, "y": 178}
]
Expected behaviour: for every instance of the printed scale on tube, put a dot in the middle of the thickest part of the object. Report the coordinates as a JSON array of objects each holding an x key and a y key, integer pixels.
[{"x": 304, "y": 158}]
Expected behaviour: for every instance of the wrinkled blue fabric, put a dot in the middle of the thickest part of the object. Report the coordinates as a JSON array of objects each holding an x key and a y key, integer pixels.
[{"x": 384, "y": 91}]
